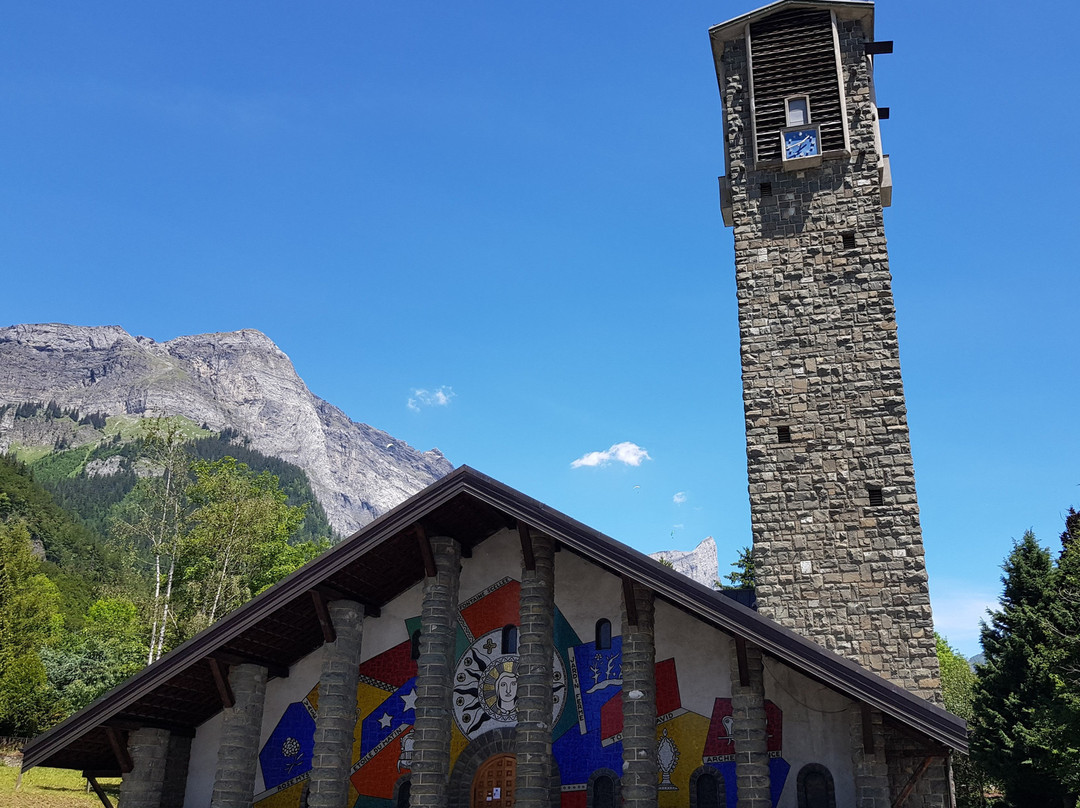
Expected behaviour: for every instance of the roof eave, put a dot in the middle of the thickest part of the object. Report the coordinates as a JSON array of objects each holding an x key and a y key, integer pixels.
[{"x": 727, "y": 615}]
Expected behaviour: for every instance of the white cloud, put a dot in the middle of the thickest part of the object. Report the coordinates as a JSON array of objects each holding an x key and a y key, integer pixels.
[
  {"x": 679, "y": 498},
  {"x": 626, "y": 452},
  {"x": 430, "y": 398}
]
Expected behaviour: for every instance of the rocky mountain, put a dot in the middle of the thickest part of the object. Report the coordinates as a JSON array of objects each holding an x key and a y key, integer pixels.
[
  {"x": 239, "y": 380},
  {"x": 700, "y": 564}
]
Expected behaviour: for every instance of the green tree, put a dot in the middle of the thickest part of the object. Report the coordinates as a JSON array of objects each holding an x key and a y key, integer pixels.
[
  {"x": 1063, "y": 660},
  {"x": 957, "y": 688},
  {"x": 150, "y": 522},
  {"x": 745, "y": 574},
  {"x": 238, "y": 542},
  {"x": 29, "y": 618},
  {"x": 110, "y": 647},
  {"x": 1016, "y": 717}
]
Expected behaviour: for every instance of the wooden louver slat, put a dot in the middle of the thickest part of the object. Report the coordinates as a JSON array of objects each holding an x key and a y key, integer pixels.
[{"x": 793, "y": 54}]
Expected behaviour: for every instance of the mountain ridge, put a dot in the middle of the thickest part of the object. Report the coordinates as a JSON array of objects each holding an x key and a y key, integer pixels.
[{"x": 236, "y": 379}]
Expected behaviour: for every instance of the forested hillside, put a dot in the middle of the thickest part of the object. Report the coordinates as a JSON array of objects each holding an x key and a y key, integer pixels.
[{"x": 115, "y": 550}]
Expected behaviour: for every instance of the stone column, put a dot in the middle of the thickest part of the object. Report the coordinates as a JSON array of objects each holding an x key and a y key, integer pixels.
[
  {"x": 143, "y": 786},
  {"x": 335, "y": 724},
  {"x": 434, "y": 678},
  {"x": 234, "y": 782},
  {"x": 640, "y": 772},
  {"x": 751, "y": 735},
  {"x": 176, "y": 772},
  {"x": 536, "y": 645},
  {"x": 871, "y": 768}
]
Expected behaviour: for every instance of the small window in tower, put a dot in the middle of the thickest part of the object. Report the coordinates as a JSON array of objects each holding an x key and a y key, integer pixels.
[
  {"x": 766, "y": 190},
  {"x": 798, "y": 110},
  {"x": 875, "y": 494},
  {"x": 603, "y": 634},
  {"x": 415, "y": 644},
  {"x": 510, "y": 639},
  {"x": 849, "y": 240},
  {"x": 783, "y": 434}
]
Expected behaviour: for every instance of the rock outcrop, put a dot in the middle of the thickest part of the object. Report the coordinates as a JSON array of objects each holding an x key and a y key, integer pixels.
[
  {"x": 239, "y": 380},
  {"x": 699, "y": 564}
]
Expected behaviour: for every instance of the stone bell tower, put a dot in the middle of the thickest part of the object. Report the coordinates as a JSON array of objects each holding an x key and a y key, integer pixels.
[{"x": 836, "y": 531}]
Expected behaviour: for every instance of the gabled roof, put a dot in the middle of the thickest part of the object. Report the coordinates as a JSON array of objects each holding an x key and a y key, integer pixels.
[
  {"x": 382, "y": 560},
  {"x": 845, "y": 9}
]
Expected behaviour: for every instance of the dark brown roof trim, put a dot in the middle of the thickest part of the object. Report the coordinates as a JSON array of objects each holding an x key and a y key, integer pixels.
[{"x": 708, "y": 605}]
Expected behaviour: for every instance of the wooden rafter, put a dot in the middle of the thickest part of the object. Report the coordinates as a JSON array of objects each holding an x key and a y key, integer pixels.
[
  {"x": 912, "y": 782},
  {"x": 120, "y": 750},
  {"x": 220, "y": 670},
  {"x": 322, "y": 611},
  {"x": 867, "y": 729},
  {"x": 229, "y": 657},
  {"x": 426, "y": 554},
  {"x": 528, "y": 560},
  {"x": 744, "y": 665},
  {"x": 630, "y": 599},
  {"x": 101, "y": 795}
]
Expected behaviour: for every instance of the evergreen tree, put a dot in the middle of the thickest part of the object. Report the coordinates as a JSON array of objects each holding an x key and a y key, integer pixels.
[
  {"x": 957, "y": 689},
  {"x": 744, "y": 576},
  {"x": 1016, "y": 713}
]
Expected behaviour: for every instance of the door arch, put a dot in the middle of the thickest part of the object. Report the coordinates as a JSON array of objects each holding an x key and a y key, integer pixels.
[{"x": 493, "y": 784}]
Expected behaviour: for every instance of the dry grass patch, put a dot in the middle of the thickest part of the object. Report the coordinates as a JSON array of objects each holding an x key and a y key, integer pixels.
[{"x": 51, "y": 788}]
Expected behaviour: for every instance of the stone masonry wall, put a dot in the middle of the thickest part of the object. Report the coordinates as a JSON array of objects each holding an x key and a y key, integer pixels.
[
  {"x": 143, "y": 786},
  {"x": 535, "y": 695},
  {"x": 434, "y": 678},
  {"x": 820, "y": 356},
  {"x": 234, "y": 783},
  {"x": 640, "y": 771},
  {"x": 328, "y": 786},
  {"x": 751, "y": 733}
]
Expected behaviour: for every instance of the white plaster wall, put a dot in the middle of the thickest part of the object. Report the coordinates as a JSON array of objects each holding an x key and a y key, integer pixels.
[
  {"x": 496, "y": 558},
  {"x": 702, "y": 657},
  {"x": 388, "y": 630},
  {"x": 203, "y": 763},
  {"x": 816, "y": 730},
  {"x": 585, "y": 593}
]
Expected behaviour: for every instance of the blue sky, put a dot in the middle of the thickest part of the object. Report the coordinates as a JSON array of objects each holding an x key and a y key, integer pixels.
[{"x": 512, "y": 208}]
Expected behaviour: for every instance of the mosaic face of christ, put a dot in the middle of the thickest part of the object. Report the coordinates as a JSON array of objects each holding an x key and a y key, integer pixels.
[{"x": 506, "y": 687}]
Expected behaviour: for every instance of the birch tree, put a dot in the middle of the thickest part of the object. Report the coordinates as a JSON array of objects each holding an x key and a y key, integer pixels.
[
  {"x": 238, "y": 541},
  {"x": 152, "y": 519}
]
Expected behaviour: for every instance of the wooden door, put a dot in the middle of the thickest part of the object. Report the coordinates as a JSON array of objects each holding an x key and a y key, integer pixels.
[{"x": 493, "y": 786}]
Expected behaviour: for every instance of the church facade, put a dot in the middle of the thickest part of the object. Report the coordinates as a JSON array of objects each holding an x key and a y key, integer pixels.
[{"x": 474, "y": 648}]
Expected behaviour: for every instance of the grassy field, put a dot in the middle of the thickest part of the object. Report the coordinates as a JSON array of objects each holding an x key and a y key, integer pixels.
[{"x": 51, "y": 788}]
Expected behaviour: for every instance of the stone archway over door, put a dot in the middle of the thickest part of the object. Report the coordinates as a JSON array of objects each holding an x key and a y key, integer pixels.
[{"x": 493, "y": 785}]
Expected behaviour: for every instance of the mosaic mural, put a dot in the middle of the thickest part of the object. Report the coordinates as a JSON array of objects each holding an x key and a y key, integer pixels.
[{"x": 587, "y": 715}]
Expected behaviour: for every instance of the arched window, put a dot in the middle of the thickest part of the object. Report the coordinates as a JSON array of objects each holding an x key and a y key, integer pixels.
[
  {"x": 815, "y": 787},
  {"x": 707, "y": 788},
  {"x": 415, "y": 644},
  {"x": 603, "y": 634},
  {"x": 603, "y": 790},
  {"x": 403, "y": 792},
  {"x": 510, "y": 639}
]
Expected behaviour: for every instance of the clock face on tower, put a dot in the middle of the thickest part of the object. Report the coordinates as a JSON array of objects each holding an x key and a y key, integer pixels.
[{"x": 800, "y": 143}]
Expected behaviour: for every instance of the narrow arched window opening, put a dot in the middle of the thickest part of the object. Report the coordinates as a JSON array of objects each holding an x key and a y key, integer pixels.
[
  {"x": 510, "y": 639},
  {"x": 603, "y": 792},
  {"x": 404, "y": 791},
  {"x": 603, "y": 634},
  {"x": 709, "y": 790},
  {"x": 815, "y": 787},
  {"x": 415, "y": 644}
]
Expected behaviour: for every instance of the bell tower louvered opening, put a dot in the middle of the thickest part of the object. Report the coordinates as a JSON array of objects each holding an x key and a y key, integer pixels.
[{"x": 793, "y": 53}]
